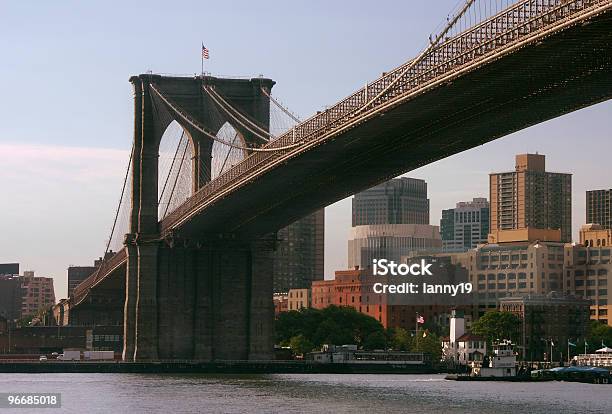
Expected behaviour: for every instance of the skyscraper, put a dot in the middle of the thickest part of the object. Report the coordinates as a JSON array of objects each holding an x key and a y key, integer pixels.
[
  {"x": 298, "y": 259},
  {"x": 465, "y": 226},
  {"x": 391, "y": 220},
  {"x": 599, "y": 207},
  {"x": 398, "y": 201},
  {"x": 530, "y": 203}
]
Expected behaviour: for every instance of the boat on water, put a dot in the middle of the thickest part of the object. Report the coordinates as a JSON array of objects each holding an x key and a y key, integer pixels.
[
  {"x": 502, "y": 367},
  {"x": 591, "y": 375}
]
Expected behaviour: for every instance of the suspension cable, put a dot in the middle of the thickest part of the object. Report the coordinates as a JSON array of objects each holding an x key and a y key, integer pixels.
[
  {"x": 127, "y": 173},
  {"x": 228, "y": 153},
  {"x": 281, "y": 107},
  {"x": 178, "y": 173},
  {"x": 229, "y": 109},
  {"x": 195, "y": 125},
  {"x": 171, "y": 167},
  {"x": 418, "y": 59}
]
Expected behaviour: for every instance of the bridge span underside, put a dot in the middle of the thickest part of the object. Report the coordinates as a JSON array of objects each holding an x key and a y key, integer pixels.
[
  {"x": 568, "y": 71},
  {"x": 198, "y": 283}
]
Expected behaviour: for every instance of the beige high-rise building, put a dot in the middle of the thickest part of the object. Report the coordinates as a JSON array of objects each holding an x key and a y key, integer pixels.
[{"x": 530, "y": 204}]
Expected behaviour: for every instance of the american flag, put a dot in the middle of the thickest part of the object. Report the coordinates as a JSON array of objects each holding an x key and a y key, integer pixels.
[
  {"x": 205, "y": 53},
  {"x": 420, "y": 319}
]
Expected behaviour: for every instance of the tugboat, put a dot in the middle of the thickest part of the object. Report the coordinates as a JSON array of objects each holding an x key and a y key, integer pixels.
[
  {"x": 502, "y": 363},
  {"x": 501, "y": 366}
]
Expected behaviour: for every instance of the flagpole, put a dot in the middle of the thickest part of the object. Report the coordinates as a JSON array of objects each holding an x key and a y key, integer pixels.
[{"x": 202, "y": 58}]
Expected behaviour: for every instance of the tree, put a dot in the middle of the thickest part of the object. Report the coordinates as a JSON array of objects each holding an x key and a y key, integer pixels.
[
  {"x": 597, "y": 334},
  {"x": 333, "y": 325},
  {"x": 400, "y": 339},
  {"x": 376, "y": 340},
  {"x": 496, "y": 325},
  {"x": 429, "y": 343},
  {"x": 300, "y": 345}
]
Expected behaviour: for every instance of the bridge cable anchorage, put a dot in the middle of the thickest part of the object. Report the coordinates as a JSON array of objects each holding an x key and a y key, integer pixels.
[
  {"x": 200, "y": 129},
  {"x": 229, "y": 109},
  {"x": 418, "y": 59},
  {"x": 280, "y": 106}
]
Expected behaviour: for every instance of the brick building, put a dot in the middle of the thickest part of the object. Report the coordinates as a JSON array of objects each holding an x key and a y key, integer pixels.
[{"x": 546, "y": 318}]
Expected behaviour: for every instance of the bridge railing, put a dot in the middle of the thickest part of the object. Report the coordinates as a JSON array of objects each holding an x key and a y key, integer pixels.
[{"x": 497, "y": 32}]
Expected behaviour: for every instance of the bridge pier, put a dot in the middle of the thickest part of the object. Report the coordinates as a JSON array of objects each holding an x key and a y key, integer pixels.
[{"x": 205, "y": 301}]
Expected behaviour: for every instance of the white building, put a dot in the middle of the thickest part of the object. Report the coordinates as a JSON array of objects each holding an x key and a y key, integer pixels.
[{"x": 462, "y": 347}]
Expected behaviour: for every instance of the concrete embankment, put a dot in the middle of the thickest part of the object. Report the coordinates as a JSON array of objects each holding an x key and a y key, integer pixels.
[{"x": 220, "y": 367}]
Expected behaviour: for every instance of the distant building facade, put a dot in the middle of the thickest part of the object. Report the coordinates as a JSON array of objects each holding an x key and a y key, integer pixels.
[
  {"x": 588, "y": 274},
  {"x": 281, "y": 303},
  {"x": 299, "y": 255},
  {"x": 390, "y": 241},
  {"x": 595, "y": 235},
  {"x": 38, "y": 293},
  {"x": 465, "y": 226},
  {"x": 510, "y": 269},
  {"x": 355, "y": 288},
  {"x": 599, "y": 207},
  {"x": 298, "y": 299},
  {"x": 391, "y": 220},
  {"x": 398, "y": 201},
  {"x": 77, "y": 274},
  {"x": 25, "y": 295},
  {"x": 530, "y": 198},
  {"x": 11, "y": 296},
  {"x": 546, "y": 318},
  {"x": 9, "y": 269}
]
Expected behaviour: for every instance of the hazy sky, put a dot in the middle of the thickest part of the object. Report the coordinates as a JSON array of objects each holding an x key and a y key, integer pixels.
[{"x": 67, "y": 105}]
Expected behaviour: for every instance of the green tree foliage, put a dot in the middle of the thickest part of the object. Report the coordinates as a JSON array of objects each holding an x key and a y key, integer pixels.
[
  {"x": 332, "y": 325},
  {"x": 400, "y": 339},
  {"x": 598, "y": 333},
  {"x": 300, "y": 345},
  {"x": 497, "y": 325},
  {"x": 429, "y": 343},
  {"x": 376, "y": 340}
]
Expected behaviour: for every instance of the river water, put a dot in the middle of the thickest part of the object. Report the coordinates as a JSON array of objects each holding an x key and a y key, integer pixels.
[{"x": 139, "y": 393}]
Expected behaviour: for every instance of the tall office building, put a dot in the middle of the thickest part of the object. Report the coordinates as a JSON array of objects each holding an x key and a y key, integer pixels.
[
  {"x": 530, "y": 203},
  {"x": 398, "y": 201},
  {"x": 391, "y": 220},
  {"x": 465, "y": 226},
  {"x": 599, "y": 207},
  {"x": 298, "y": 259}
]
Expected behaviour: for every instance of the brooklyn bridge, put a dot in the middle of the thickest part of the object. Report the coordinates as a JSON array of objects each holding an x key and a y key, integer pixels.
[{"x": 188, "y": 267}]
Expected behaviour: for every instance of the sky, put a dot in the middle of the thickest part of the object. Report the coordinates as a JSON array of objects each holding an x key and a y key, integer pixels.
[{"x": 66, "y": 105}]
